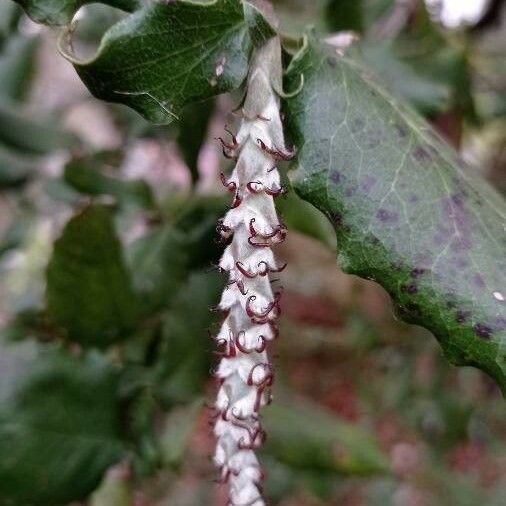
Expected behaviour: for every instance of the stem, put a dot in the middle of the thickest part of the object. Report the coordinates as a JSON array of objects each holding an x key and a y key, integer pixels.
[{"x": 245, "y": 373}]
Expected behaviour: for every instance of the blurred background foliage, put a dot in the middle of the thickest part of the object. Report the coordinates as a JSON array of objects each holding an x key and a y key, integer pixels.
[{"x": 107, "y": 244}]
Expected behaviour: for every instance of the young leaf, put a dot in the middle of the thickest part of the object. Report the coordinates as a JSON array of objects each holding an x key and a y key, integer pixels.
[
  {"x": 406, "y": 211},
  {"x": 89, "y": 291},
  {"x": 169, "y": 54},
  {"x": 59, "y": 425}
]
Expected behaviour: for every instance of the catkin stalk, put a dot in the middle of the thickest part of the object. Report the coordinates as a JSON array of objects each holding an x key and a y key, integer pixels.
[{"x": 245, "y": 373}]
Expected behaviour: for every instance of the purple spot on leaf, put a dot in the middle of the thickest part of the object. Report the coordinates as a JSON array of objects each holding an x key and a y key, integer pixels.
[
  {"x": 387, "y": 216},
  {"x": 402, "y": 129},
  {"x": 422, "y": 155},
  {"x": 483, "y": 331},
  {"x": 368, "y": 183},
  {"x": 411, "y": 289},
  {"x": 462, "y": 316},
  {"x": 350, "y": 191},
  {"x": 417, "y": 272},
  {"x": 335, "y": 177},
  {"x": 478, "y": 281}
]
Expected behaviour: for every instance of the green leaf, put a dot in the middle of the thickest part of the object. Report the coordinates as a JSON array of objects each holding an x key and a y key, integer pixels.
[
  {"x": 28, "y": 133},
  {"x": 169, "y": 54},
  {"x": 9, "y": 17},
  {"x": 185, "y": 351},
  {"x": 59, "y": 425},
  {"x": 304, "y": 436},
  {"x": 302, "y": 217},
  {"x": 406, "y": 211},
  {"x": 192, "y": 133},
  {"x": 17, "y": 66},
  {"x": 89, "y": 291},
  {"x": 86, "y": 175},
  {"x": 429, "y": 94},
  {"x": 115, "y": 490},
  {"x": 178, "y": 428},
  {"x": 162, "y": 259},
  {"x": 61, "y": 12}
]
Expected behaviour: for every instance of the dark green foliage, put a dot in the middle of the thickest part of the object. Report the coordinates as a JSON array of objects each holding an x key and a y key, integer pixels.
[
  {"x": 186, "y": 346},
  {"x": 407, "y": 213},
  {"x": 121, "y": 353},
  {"x": 59, "y": 425}
]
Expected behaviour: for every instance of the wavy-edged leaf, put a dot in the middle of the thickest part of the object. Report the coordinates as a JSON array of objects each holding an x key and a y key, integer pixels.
[
  {"x": 169, "y": 54},
  {"x": 59, "y": 425},
  {"x": 89, "y": 291},
  {"x": 406, "y": 211}
]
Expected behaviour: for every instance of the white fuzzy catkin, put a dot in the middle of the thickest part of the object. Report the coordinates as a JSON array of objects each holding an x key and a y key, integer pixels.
[{"x": 251, "y": 305}]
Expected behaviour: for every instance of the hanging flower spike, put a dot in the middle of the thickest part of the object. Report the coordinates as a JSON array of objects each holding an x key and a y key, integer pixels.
[{"x": 245, "y": 374}]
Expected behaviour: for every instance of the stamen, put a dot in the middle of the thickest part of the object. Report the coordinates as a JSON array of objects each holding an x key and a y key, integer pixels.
[{"x": 277, "y": 154}]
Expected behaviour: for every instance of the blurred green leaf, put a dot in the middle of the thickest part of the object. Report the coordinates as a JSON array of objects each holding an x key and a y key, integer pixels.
[
  {"x": 424, "y": 65},
  {"x": 304, "y": 218},
  {"x": 429, "y": 94},
  {"x": 344, "y": 15},
  {"x": 406, "y": 211},
  {"x": 59, "y": 425},
  {"x": 17, "y": 66},
  {"x": 9, "y": 17},
  {"x": 115, "y": 490},
  {"x": 89, "y": 291},
  {"x": 304, "y": 436},
  {"x": 86, "y": 175},
  {"x": 192, "y": 130},
  {"x": 185, "y": 351},
  {"x": 15, "y": 168},
  {"x": 28, "y": 133},
  {"x": 161, "y": 260},
  {"x": 178, "y": 427}
]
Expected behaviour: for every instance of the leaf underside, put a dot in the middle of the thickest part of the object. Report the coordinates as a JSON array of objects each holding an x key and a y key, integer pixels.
[{"x": 406, "y": 211}]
